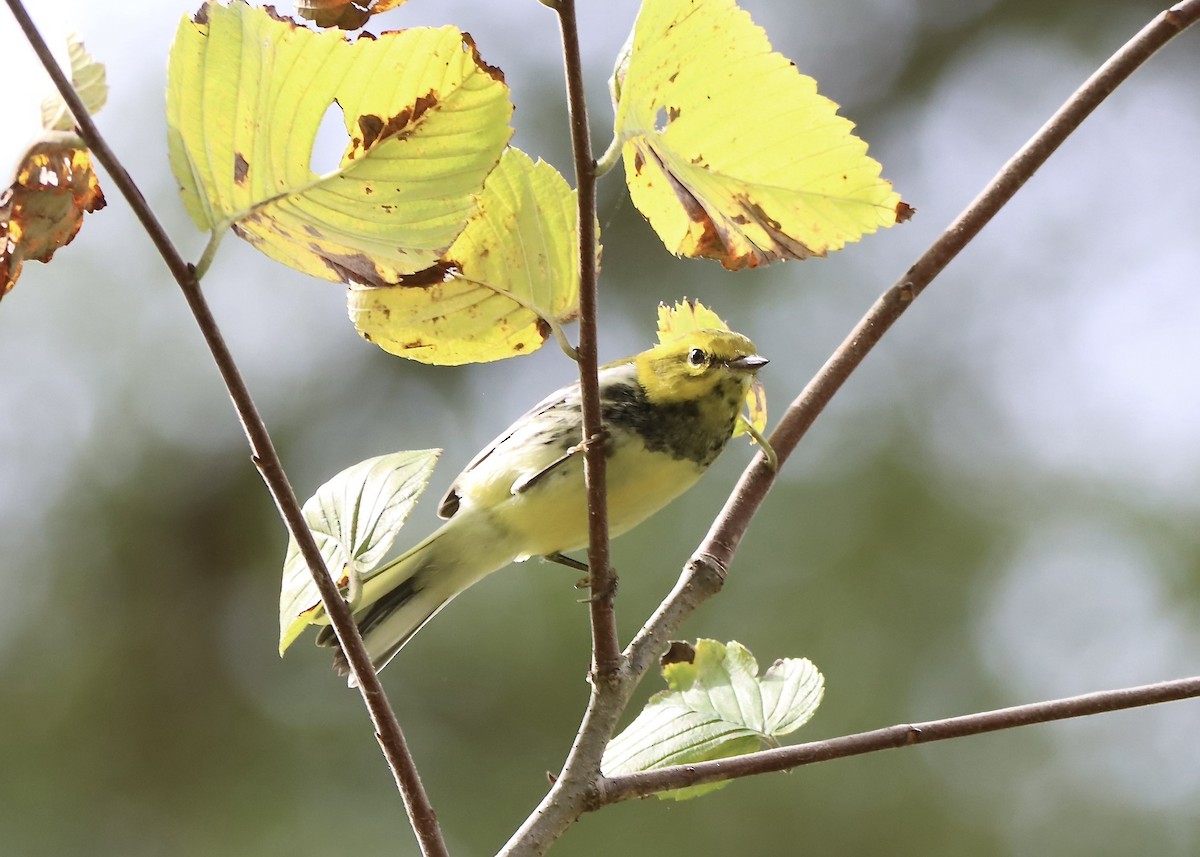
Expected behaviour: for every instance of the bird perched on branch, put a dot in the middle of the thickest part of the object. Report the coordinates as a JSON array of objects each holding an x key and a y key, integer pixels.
[{"x": 667, "y": 413}]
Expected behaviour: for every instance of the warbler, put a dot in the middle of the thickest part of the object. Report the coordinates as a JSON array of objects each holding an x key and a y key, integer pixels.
[{"x": 667, "y": 412}]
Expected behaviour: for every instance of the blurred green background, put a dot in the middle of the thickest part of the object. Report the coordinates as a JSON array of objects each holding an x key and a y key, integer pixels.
[{"x": 1000, "y": 507}]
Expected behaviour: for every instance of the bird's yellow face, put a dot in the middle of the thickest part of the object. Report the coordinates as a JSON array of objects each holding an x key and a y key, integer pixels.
[{"x": 698, "y": 365}]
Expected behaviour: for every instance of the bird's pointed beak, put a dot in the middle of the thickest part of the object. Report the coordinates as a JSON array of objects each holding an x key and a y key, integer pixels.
[{"x": 749, "y": 363}]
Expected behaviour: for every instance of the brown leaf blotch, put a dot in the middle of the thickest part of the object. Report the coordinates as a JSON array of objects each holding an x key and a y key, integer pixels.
[
  {"x": 434, "y": 275},
  {"x": 241, "y": 168},
  {"x": 246, "y": 235},
  {"x": 397, "y": 127},
  {"x": 904, "y": 212},
  {"x": 353, "y": 267},
  {"x": 343, "y": 14},
  {"x": 283, "y": 19},
  {"x": 492, "y": 71},
  {"x": 371, "y": 127}
]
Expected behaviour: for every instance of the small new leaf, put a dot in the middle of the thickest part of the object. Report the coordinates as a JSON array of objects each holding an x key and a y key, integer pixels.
[
  {"x": 508, "y": 281},
  {"x": 354, "y": 518},
  {"x": 716, "y": 706},
  {"x": 426, "y": 120},
  {"x": 729, "y": 151}
]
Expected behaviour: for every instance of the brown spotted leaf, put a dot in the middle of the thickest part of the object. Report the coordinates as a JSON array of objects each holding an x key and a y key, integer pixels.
[
  {"x": 53, "y": 186},
  {"x": 426, "y": 120},
  {"x": 43, "y": 208},
  {"x": 729, "y": 151},
  {"x": 507, "y": 282}
]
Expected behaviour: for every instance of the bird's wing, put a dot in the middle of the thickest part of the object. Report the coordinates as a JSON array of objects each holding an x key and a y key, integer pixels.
[
  {"x": 537, "y": 428},
  {"x": 565, "y": 398},
  {"x": 528, "y": 480}
]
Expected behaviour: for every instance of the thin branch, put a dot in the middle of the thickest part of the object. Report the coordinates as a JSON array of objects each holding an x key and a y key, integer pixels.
[
  {"x": 606, "y": 652},
  {"x": 391, "y": 738},
  {"x": 626, "y": 786},
  {"x": 575, "y": 788},
  {"x": 719, "y": 545}
]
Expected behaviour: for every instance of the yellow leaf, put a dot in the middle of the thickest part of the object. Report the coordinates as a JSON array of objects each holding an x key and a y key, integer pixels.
[
  {"x": 426, "y": 121},
  {"x": 729, "y": 151},
  {"x": 43, "y": 208},
  {"x": 688, "y": 315},
  {"x": 756, "y": 411},
  {"x": 505, "y": 283}
]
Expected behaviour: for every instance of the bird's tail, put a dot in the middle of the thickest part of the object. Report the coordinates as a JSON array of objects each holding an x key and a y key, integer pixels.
[{"x": 409, "y": 591}]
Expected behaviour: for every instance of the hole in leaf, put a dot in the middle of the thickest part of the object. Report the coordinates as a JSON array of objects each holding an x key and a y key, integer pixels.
[
  {"x": 330, "y": 142},
  {"x": 660, "y": 120}
]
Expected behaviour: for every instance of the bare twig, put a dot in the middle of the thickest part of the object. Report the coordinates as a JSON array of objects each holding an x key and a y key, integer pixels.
[
  {"x": 618, "y": 788},
  {"x": 575, "y": 788},
  {"x": 391, "y": 738},
  {"x": 718, "y": 547},
  {"x": 605, "y": 649}
]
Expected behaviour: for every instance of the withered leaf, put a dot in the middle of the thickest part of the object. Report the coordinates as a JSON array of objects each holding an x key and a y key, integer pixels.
[{"x": 43, "y": 208}]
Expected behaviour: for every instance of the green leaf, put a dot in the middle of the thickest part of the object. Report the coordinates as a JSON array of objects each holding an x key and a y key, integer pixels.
[
  {"x": 507, "y": 282},
  {"x": 354, "y": 517},
  {"x": 729, "y": 151},
  {"x": 87, "y": 76},
  {"x": 716, "y": 706},
  {"x": 426, "y": 120}
]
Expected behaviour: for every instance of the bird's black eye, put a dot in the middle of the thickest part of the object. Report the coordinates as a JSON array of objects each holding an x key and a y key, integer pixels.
[{"x": 696, "y": 357}]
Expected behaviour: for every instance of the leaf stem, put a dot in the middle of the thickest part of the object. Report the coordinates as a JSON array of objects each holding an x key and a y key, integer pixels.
[
  {"x": 610, "y": 157},
  {"x": 391, "y": 738},
  {"x": 210, "y": 253}
]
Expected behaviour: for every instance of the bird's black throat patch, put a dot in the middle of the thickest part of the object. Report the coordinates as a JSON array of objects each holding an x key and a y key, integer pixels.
[{"x": 681, "y": 429}]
